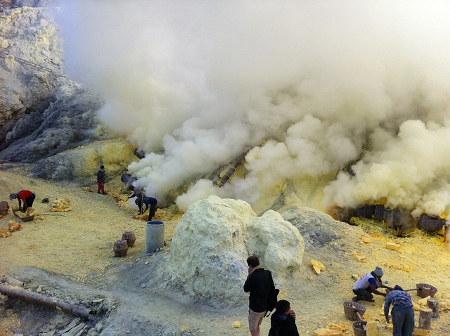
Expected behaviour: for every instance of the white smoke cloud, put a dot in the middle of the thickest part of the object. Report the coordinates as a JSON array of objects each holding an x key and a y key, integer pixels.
[{"x": 306, "y": 87}]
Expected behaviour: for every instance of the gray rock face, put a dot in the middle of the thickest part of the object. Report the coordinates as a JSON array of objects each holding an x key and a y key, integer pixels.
[
  {"x": 42, "y": 112},
  {"x": 30, "y": 64},
  {"x": 318, "y": 229},
  {"x": 68, "y": 122}
]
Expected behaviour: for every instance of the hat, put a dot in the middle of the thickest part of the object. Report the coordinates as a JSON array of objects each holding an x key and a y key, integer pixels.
[
  {"x": 378, "y": 271},
  {"x": 102, "y": 166},
  {"x": 397, "y": 287},
  {"x": 12, "y": 196}
]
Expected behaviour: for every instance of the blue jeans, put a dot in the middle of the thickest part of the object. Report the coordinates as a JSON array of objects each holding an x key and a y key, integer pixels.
[{"x": 403, "y": 320}]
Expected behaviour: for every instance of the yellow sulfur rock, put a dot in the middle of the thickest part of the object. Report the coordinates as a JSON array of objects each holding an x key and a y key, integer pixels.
[
  {"x": 423, "y": 302},
  {"x": 393, "y": 246},
  {"x": 366, "y": 239},
  {"x": 444, "y": 304},
  {"x": 416, "y": 306},
  {"x": 338, "y": 326},
  {"x": 236, "y": 324},
  {"x": 359, "y": 256},
  {"x": 317, "y": 266},
  {"x": 327, "y": 332},
  {"x": 421, "y": 332}
]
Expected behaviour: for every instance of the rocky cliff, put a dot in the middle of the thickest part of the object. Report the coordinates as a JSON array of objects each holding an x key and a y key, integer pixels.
[{"x": 43, "y": 113}]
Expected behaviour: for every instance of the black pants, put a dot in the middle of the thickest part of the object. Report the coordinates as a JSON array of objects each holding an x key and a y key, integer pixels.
[
  {"x": 29, "y": 200},
  {"x": 152, "y": 212},
  {"x": 363, "y": 294}
]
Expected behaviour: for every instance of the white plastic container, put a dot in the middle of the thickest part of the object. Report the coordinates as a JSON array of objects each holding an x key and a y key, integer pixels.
[{"x": 154, "y": 236}]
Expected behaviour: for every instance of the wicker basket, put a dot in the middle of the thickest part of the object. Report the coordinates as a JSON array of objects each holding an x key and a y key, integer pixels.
[
  {"x": 120, "y": 248},
  {"x": 4, "y": 207},
  {"x": 130, "y": 237},
  {"x": 25, "y": 218},
  {"x": 425, "y": 290},
  {"x": 360, "y": 328},
  {"x": 352, "y": 308}
]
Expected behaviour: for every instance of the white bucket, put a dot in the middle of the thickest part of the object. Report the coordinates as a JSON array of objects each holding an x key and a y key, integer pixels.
[{"x": 154, "y": 236}]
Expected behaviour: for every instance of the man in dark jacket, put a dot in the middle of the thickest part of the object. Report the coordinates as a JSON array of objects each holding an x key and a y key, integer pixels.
[
  {"x": 282, "y": 322},
  {"x": 101, "y": 179},
  {"x": 260, "y": 284}
]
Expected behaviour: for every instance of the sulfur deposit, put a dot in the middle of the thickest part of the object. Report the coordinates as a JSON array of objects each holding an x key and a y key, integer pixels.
[{"x": 213, "y": 240}]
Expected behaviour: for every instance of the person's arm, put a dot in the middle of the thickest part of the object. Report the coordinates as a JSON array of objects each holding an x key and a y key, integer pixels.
[
  {"x": 20, "y": 203},
  {"x": 374, "y": 290},
  {"x": 387, "y": 303},
  {"x": 248, "y": 284},
  {"x": 384, "y": 286},
  {"x": 373, "y": 287}
]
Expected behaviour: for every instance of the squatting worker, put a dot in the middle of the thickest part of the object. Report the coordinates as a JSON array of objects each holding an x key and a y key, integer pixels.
[
  {"x": 259, "y": 283},
  {"x": 402, "y": 312},
  {"x": 367, "y": 285},
  {"x": 24, "y": 197}
]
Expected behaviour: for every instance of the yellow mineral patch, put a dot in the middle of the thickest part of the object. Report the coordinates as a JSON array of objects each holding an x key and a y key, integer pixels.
[
  {"x": 366, "y": 239},
  {"x": 393, "y": 246},
  {"x": 359, "y": 256},
  {"x": 327, "y": 332},
  {"x": 317, "y": 266}
]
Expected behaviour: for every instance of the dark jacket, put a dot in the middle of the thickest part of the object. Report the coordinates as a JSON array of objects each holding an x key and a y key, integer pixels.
[
  {"x": 282, "y": 325},
  {"x": 101, "y": 176},
  {"x": 259, "y": 284}
]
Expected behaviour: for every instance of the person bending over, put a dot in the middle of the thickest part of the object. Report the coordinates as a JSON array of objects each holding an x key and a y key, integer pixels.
[
  {"x": 402, "y": 311},
  {"x": 25, "y": 198}
]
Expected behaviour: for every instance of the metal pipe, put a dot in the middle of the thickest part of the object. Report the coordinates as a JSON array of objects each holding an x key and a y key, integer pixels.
[{"x": 47, "y": 302}]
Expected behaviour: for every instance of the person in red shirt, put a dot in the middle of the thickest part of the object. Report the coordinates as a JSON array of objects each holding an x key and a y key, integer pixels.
[{"x": 24, "y": 197}]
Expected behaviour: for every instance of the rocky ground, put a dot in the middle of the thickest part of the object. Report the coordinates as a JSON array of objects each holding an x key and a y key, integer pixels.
[{"x": 68, "y": 255}]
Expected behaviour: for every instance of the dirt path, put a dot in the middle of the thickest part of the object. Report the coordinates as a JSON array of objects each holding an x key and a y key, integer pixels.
[{"x": 69, "y": 256}]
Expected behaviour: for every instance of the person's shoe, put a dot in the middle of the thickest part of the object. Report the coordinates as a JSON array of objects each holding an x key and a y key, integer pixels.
[
  {"x": 355, "y": 299},
  {"x": 104, "y": 193},
  {"x": 371, "y": 300},
  {"x": 98, "y": 192}
]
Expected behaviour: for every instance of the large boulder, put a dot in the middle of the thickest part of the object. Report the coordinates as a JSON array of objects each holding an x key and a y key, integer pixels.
[{"x": 212, "y": 242}]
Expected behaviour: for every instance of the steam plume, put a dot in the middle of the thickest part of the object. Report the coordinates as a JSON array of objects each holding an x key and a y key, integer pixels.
[{"x": 305, "y": 86}]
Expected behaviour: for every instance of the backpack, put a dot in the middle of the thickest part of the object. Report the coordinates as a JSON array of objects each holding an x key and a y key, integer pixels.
[{"x": 272, "y": 298}]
